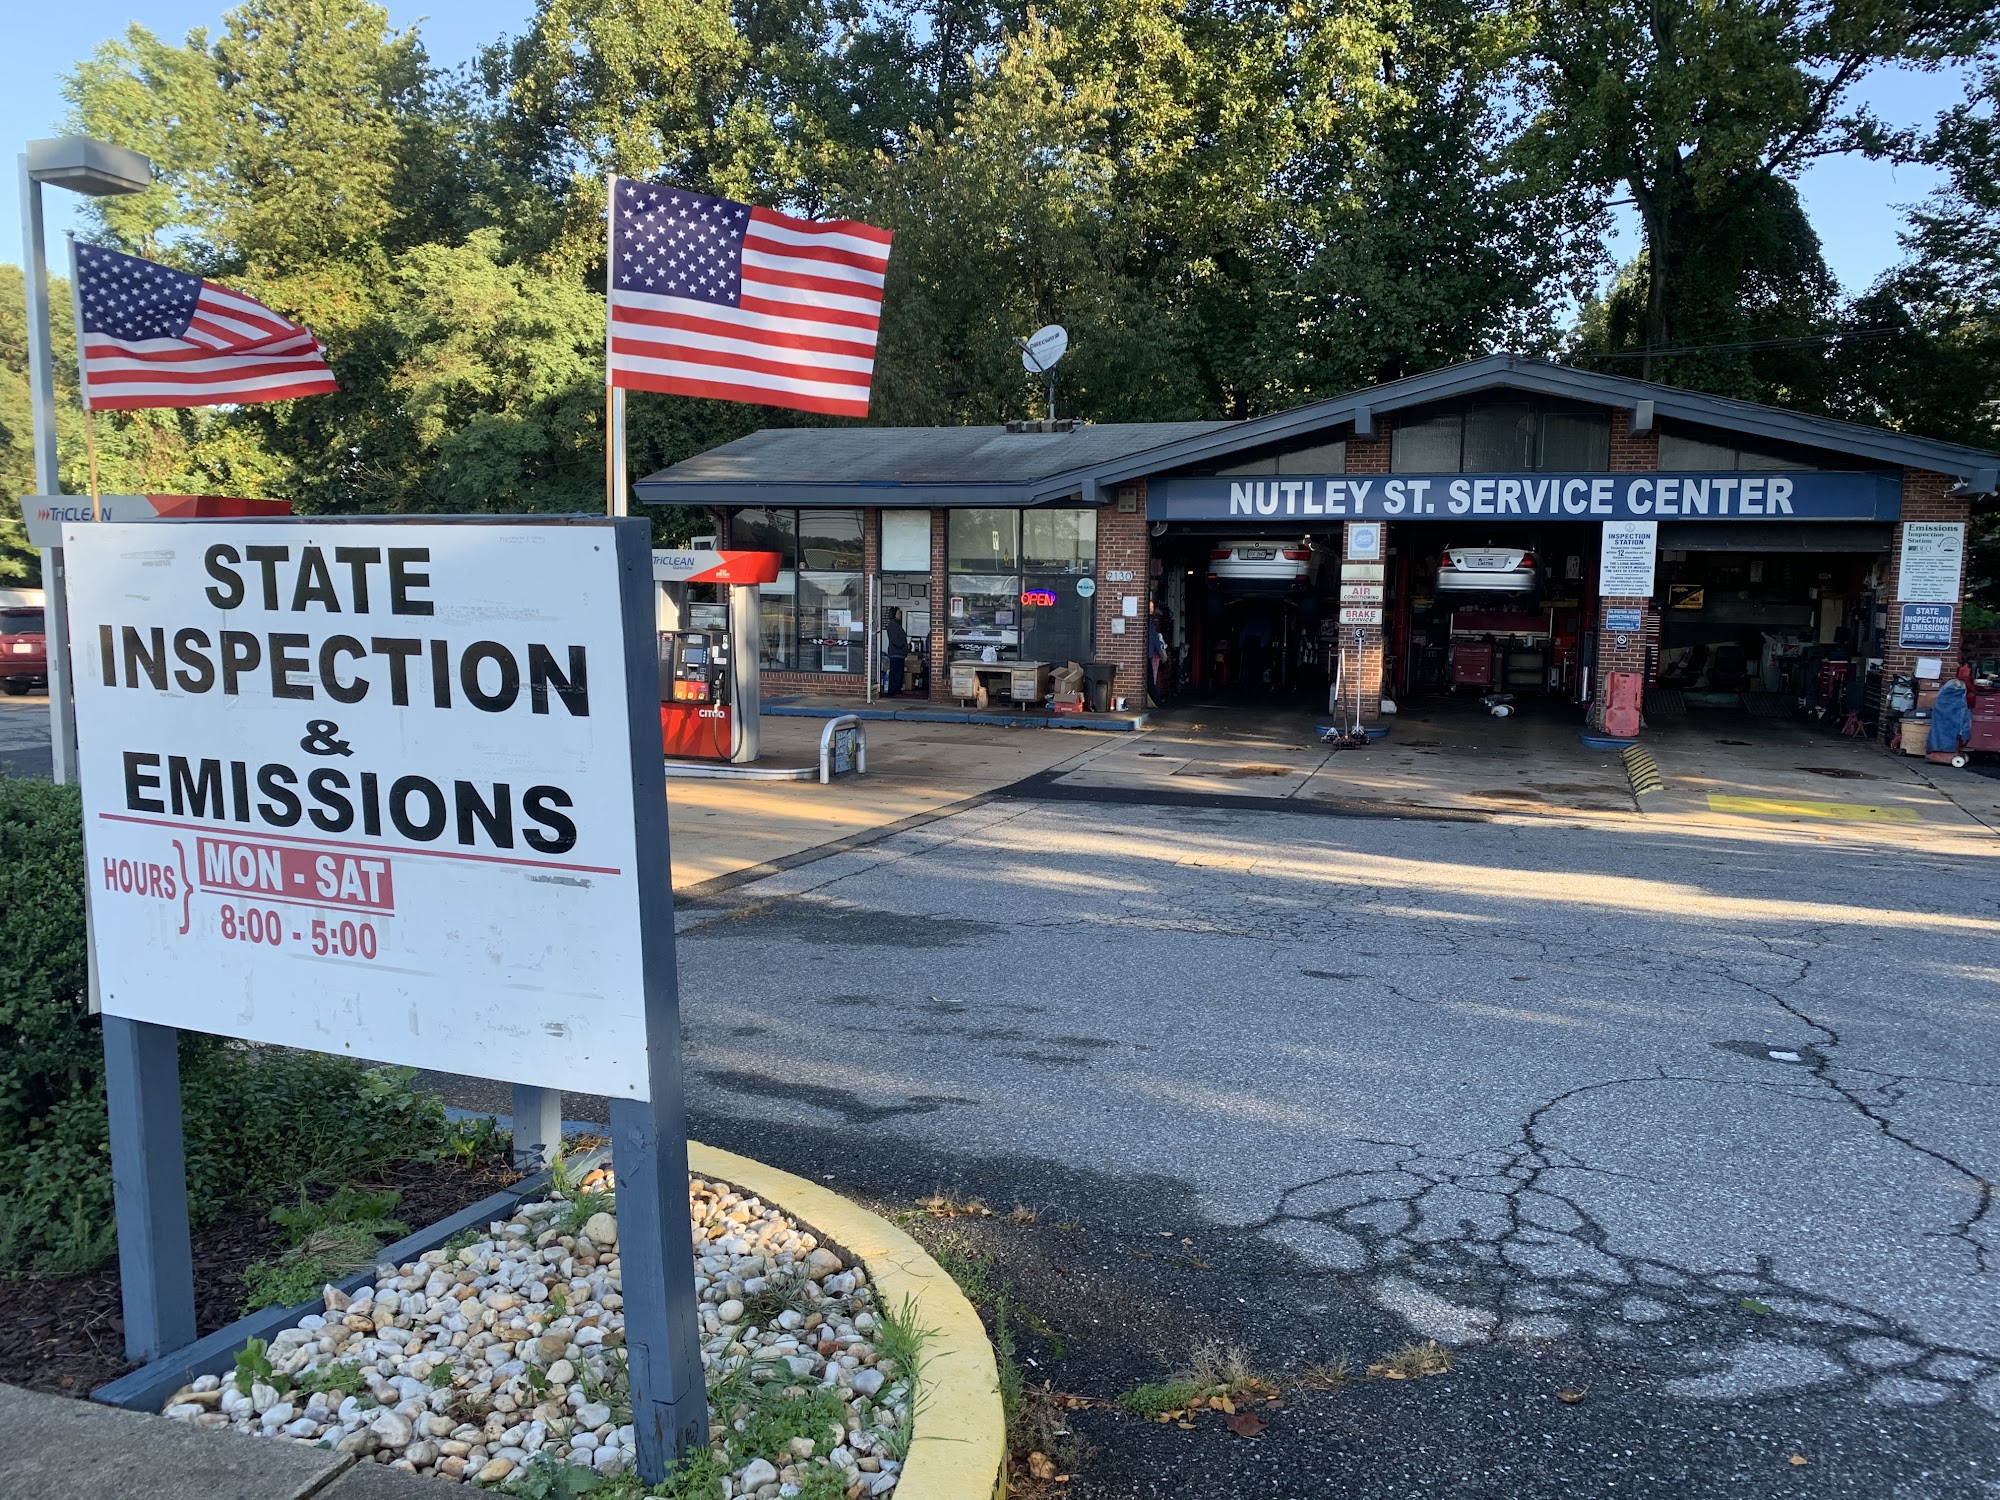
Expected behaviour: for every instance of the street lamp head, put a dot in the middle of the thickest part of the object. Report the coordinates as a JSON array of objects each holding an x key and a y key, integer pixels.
[{"x": 96, "y": 169}]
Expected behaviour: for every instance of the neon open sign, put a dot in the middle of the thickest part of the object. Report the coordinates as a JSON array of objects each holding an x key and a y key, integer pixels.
[{"x": 1038, "y": 596}]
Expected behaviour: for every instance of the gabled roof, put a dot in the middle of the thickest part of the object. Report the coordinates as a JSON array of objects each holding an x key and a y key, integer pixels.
[
  {"x": 906, "y": 466},
  {"x": 1647, "y": 399},
  {"x": 921, "y": 466}
]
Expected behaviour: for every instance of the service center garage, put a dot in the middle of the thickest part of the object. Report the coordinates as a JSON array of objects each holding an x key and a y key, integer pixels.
[{"x": 1589, "y": 545}]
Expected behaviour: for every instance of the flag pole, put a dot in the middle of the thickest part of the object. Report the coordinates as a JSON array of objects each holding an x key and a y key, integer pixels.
[
  {"x": 615, "y": 503},
  {"x": 83, "y": 380}
]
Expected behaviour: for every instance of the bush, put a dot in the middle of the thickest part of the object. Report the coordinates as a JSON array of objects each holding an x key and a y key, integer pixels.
[
  {"x": 52, "y": 1049},
  {"x": 261, "y": 1123}
]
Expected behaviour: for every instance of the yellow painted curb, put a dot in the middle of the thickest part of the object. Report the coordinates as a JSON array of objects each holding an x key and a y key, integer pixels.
[{"x": 959, "y": 1451}]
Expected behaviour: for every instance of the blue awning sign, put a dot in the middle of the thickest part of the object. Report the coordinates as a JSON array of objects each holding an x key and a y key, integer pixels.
[{"x": 1799, "y": 495}]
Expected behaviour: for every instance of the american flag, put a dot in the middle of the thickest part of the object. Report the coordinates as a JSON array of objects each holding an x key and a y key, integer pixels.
[
  {"x": 714, "y": 298},
  {"x": 149, "y": 335}
]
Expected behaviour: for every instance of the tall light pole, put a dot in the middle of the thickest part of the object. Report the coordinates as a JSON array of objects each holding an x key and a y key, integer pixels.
[{"x": 96, "y": 169}]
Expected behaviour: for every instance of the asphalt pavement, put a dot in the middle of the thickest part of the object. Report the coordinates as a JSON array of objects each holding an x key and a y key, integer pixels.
[{"x": 1697, "y": 1121}]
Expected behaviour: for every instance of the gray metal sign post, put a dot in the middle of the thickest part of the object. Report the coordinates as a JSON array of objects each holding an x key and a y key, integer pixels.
[{"x": 649, "y": 1138}]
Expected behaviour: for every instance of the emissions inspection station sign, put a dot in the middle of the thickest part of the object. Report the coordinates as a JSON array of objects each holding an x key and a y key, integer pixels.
[{"x": 365, "y": 788}]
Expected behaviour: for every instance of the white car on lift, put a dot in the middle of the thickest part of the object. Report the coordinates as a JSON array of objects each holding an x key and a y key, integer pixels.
[
  {"x": 1487, "y": 570},
  {"x": 1265, "y": 564}
]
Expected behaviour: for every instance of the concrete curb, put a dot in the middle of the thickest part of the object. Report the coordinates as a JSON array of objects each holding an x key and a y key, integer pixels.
[{"x": 959, "y": 1451}]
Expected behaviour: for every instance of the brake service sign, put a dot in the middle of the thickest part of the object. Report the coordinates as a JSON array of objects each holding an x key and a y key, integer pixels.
[{"x": 365, "y": 788}]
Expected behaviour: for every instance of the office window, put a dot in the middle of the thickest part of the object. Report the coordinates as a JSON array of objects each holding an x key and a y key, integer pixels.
[
  {"x": 813, "y": 616},
  {"x": 1058, "y": 541},
  {"x": 1678, "y": 451},
  {"x": 1502, "y": 437}
]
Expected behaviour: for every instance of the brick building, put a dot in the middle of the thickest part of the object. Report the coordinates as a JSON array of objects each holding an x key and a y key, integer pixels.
[{"x": 1503, "y": 525}]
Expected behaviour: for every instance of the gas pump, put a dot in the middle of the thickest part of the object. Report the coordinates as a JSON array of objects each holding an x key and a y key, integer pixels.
[{"x": 708, "y": 654}]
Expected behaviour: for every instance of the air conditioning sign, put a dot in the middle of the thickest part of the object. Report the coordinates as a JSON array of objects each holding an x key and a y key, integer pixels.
[{"x": 1549, "y": 497}]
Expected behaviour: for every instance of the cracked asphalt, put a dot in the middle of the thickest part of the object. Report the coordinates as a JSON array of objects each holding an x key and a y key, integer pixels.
[{"x": 1698, "y": 1122}]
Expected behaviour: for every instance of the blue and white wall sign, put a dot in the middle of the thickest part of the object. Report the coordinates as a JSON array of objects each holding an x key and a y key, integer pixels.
[
  {"x": 1926, "y": 626},
  {"x": 1799, "y": 496},
  {"x": 1625, "y": 621}
]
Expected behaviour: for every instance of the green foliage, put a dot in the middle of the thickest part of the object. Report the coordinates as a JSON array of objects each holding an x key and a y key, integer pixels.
[
  {"x": 476, "y": 1139},
  {"x": 966, "y": 1264},
  {"x": 344, "y": 1375},
  {"x": 1157, "y": 1400},
  {"x": 760, "y": 1418},
  {"x": 325, "y": 1242},
  {"x": 253, "y": 1365},
  {"x": 52, "y": 1049},
  {"x": 346, "y": 1206}
]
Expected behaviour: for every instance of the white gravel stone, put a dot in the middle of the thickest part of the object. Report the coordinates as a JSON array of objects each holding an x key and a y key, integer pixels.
[{"x": 483, "y": 1334}]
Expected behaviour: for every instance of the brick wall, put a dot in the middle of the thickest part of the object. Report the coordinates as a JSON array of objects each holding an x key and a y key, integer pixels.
[
  {"x": 940, "y": 658},
  {"x": 1924, "y": 499},
  {"x": 1631, "y": 453},
  {"x": 1362, "y": 647},
  {"x": 1124, "y": 545},
  {"x": 1369, "y": 455}
]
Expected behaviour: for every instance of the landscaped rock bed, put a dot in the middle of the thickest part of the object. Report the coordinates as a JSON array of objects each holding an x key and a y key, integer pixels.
[{"x": 486, "y": 1361}]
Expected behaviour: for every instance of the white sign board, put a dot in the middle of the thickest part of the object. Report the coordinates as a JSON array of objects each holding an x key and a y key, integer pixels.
[
  {"x": 1625, "y": 562},
  {"x": 1361, "y": 593},
  {"x": 1364, "y": 541},
  {"x": 1932, "y": 564},
  {"x": 366, "y": 789},
  {"x": 1361, "y": 614}
]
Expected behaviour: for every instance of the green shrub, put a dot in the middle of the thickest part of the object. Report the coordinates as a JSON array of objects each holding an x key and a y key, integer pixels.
[
  {"x": 52, "y": 1049},
  {"x": 260, "y": 1123}
]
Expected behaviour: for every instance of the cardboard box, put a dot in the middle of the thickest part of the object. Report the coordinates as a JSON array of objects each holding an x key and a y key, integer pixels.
[{"x": 1069, "y": 703}]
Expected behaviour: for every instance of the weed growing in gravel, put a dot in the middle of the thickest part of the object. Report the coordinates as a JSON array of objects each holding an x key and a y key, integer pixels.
[
  {"x": 1414, "y": 1361},
  {"x": 613, "y": 1389},
  {"x": 761, "y": 1418},
  {"x": 821, "y": 1482},
  {"x": 899, "y": 1337},
  {"x": 1158, "y": 1400},
  {"x": 1329, "y": 1375},
  {"x": 342, "y": 1376},
  {"x": 576, "y": 1211},
  {"x": 253, "y": 1365},
  {"x": 1223, "y": 1369},
  {"x": 464, "y": 1239},
  {"x": 782, "y": 1291}
]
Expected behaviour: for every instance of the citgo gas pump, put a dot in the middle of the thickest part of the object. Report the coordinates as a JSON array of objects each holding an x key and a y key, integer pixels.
[{"x": 708, "y": 676}]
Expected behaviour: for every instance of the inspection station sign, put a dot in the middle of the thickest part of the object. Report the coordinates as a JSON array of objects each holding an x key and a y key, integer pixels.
[
  {"x": 1551, "y": 497},
  {"x": 365, "y": 788}
]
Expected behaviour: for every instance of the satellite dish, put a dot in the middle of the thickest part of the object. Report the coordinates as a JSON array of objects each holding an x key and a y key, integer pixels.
[{"x": 1041, "y": 349}]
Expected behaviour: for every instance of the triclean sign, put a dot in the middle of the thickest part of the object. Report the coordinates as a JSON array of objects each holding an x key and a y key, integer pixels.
[{"x": 365, "y": 788}]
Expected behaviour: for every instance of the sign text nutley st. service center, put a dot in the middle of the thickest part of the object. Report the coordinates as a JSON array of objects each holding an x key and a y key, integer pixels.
[
  {"x": 302, "y": 826},
  {"x": 1802, "y": 495}
]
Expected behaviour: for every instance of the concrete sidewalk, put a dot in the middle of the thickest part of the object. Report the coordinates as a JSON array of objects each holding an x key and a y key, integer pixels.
[
  {"x": 1728, "y": 768},
  {"x": 723, "y": 830},
  {"x": 59, "y": 1448},
  {"x": 1443, "y": 754}
]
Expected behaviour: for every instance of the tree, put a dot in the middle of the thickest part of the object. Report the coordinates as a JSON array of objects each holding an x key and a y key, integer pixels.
[{"x": 1697, "y": 110}]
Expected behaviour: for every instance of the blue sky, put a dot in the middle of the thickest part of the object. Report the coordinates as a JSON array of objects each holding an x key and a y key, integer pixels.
[{"x": 1854, "y": 203}]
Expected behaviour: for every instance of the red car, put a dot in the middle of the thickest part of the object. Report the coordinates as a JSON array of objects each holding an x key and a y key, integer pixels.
[{"x": 24, "y": 650}]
